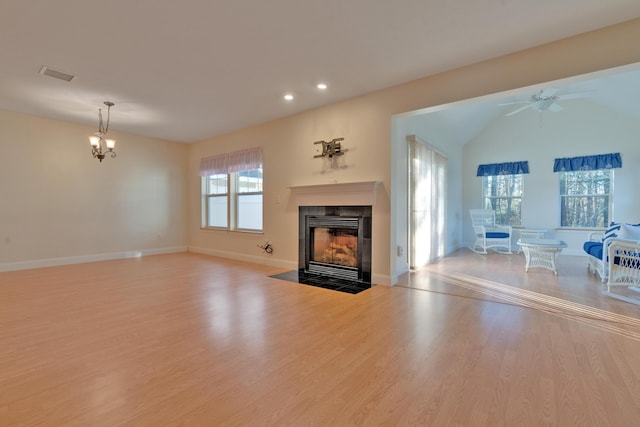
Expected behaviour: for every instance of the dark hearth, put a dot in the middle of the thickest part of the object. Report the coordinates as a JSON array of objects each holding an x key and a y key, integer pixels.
[{"x": 335, "y": 284}]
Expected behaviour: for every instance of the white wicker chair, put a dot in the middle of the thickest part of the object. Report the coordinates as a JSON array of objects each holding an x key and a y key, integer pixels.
[
  {"x": 488, "y": 234},
  {"x": 624, "y": 269}
]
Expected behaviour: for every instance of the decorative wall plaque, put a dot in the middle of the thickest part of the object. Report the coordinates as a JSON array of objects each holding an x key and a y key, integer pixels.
[{"x": 331, "y": 148}]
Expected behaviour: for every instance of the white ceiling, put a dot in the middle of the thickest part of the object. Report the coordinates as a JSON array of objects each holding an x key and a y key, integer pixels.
[{"x": 193, "y": 69}]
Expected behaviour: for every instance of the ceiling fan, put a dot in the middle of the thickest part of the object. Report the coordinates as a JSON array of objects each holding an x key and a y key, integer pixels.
[{"x": 545, "y": 100}]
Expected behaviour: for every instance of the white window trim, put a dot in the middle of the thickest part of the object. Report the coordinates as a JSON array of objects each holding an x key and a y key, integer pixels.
[
  {"x": 232, "y": 196},
  {"x": 485, "y": 196},
  {"x": 230, "y": 164},
  {"x": 611, "y": 204}
]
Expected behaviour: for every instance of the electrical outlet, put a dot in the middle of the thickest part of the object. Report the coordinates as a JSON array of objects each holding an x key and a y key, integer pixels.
[{"x": 400, "y": 250}]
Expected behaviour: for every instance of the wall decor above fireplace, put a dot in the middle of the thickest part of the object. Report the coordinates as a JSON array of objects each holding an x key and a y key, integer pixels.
[{"x": 331, "y": 148}]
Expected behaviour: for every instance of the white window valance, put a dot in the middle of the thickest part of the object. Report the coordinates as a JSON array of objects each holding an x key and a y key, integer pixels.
[
  {"x": 237, "y": 161},
  {"x": 245, "y": 160},
  {"x": 214, "y": 165}
]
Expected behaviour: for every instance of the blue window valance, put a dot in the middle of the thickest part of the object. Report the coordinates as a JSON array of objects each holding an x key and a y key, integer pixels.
[
  {"x": 511, "y": 168},
  {"x": 588, "y": 163}
]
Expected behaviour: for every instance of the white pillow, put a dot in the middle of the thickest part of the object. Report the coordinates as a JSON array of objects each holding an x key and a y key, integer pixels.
[{"x": 629, "y": 232}]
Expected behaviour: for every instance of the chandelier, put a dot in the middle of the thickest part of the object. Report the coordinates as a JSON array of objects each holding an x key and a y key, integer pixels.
[{"x": 100, "y": 146}]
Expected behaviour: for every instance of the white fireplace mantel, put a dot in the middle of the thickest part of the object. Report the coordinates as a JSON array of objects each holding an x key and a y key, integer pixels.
[{"x": 338, "y": 194}]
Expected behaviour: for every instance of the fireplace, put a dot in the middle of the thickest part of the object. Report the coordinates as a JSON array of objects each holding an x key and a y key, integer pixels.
[{"x": 335, "y": 241}]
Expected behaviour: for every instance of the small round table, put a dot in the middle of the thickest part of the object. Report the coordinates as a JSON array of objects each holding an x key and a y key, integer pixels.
[
  {"x": 531, "y": 233},
  {"x": 541, "y": 253}
]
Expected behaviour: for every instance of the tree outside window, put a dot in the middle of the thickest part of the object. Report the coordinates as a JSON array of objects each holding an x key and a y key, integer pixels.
[
  {"x": 586, "y": 198},
  {"x": 503, "y": 194}
]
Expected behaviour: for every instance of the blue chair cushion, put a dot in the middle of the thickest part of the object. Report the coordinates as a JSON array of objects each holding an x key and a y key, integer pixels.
[
  {"x": 496, "y": 235},
  {"x": 593, "y": 248}
]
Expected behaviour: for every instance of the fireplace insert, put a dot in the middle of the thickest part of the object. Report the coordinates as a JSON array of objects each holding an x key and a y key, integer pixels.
[{"x": 335, "y": 241}]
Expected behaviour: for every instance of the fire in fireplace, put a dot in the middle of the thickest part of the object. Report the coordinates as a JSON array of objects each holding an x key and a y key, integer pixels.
[{"x": 337, "y": 246}]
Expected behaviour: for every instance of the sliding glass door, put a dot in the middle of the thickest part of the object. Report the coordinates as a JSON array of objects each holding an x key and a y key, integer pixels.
[{"x": 427, "y": 200}]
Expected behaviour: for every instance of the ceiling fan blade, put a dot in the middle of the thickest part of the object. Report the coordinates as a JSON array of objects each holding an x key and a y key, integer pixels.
[
  {"x": 515, "y": 102},
  {"x": 555, "y": 107},
  {"x": 517, "y": 111},
  {"x": 548, "y": 92},
  {"x": 576, "y": 95}
]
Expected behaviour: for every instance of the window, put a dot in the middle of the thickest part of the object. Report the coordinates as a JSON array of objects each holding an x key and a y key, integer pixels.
[
  {"x": 217, "y": 205},
  {"x": 586, "y": 198},
  {"x": 586, "y": 189},
  {"x": 502, "y": 187},
  {"x": 249, "y": 199},
  {"x": 503, "y": 194},
  {"x": 232, "y": 190}
]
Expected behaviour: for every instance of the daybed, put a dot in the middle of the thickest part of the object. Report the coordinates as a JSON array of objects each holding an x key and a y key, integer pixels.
[
  {"x": 615, "y": 257},
  {"x": 598, "y": 244}
]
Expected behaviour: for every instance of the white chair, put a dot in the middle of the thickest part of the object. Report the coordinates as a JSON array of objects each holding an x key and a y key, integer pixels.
[{"x": 488, "y": 234}]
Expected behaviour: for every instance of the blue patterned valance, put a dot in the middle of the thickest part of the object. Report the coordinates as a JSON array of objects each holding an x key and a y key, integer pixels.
[
  {"x": 588, "y": 163},
  {"x": 511, "y": 168}
]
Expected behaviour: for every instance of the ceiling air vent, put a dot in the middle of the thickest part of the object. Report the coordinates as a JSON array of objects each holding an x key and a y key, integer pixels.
[{"x": 56, "y": 74}]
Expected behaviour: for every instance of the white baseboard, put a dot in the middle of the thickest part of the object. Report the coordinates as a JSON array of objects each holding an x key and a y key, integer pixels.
[
  {"x": 263, "y": 260},
  {"x": 81, "y": 259},
  {"x": 401, "y": 269},
  {"x": 380, "y": 279}
]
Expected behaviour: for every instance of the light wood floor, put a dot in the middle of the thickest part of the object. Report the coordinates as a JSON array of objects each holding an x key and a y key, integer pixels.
[
  {"x": 573, "y": 282},
  {"x": 187, "y": 339}
]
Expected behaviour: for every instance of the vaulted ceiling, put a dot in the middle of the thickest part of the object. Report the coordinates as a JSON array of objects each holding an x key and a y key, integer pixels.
[
  {"x": 194, "y": 69},
  {"x": 616, "y": 90}
]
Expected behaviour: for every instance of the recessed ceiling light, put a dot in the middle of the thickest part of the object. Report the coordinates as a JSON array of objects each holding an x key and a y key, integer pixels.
[
  {"x": 288, "y": 97},
  {"x": 322, "y": 86}
]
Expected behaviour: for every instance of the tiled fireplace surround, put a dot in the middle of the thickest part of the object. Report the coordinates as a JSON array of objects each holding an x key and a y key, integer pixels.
[
  {"x": 337, "y": 210},
  {"x": 335, "y": 241}
]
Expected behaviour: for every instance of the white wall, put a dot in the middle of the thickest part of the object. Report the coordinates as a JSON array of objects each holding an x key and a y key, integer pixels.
[
  {"x": 581, "y": 129},
  {"x": 59, "y": 205}
]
